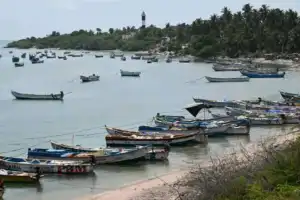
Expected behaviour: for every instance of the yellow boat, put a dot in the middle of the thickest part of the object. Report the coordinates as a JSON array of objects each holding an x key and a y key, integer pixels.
[{"x": 18, "y": 177}]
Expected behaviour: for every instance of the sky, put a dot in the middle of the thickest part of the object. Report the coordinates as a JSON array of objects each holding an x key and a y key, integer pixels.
[{"x": 20, "y": 18}]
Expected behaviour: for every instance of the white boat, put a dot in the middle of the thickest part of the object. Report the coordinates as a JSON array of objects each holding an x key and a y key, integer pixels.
[
  {"x": 24, "y": 96},
  {"x": 129, "y": 73},
  {"x": 135, "y": 138},
  {"x": 238, "y": 130},
  {"x": 51, "y": 166},
  {"x": 90, "y": 78},
  {"x": 220, "y": 103},
  {"x": 219, "y": 80}
]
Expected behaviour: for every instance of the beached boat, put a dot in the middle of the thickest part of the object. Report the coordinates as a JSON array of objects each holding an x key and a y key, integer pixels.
[
  {"x": 102, "y": 156},
  {"x": 99, "y": 56},
  {"x": 18, "y": 177},
  {"x": 131, "y": 138},
  {"x": 129, "y": 73},
  {"x": 23, "y": 96},
  {"x": 50, "y": 166},
  {"x": 223, "y": 129},
  {"x": 220, "y": 104},
  {"x": 235, "y": 79},
  {"x": 89, "y": 78},
  {"x": 262, "y": 75},
  {"x": 19, "y": 64},
  {"x": 152, "y": 154}
]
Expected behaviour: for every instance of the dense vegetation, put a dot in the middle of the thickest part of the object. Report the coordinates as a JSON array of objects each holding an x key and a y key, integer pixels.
[
  {"x": 273, "y": 174},
  {"x": 250, "y": 31}
]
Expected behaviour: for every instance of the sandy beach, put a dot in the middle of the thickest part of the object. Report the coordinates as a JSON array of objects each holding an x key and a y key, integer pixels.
[{"x": 159, "y": 188}]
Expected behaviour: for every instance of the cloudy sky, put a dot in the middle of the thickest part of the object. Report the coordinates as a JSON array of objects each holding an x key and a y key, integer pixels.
[{"x": 23, "y": 18}]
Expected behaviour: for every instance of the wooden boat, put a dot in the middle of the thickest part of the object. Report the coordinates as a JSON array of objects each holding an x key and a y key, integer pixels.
[
  {"x": 23, "y": 96},
  {"x": 184, "y": 60},
  {"x": 262, "y": 75},
  {"x": 135, "y": 57},
  {"x": 168, "y": 60},
  {"x": 152, "y": 154},
  {"x": 218, "y": 67},
  {"x": 102, "y": 156},
  {"x": 51, "y": 166},
  {"x": 62, "y": 57},
  {"x": 221, "y": 129},
  {"x": 220, "y": 104},
  {"x": 129, "y": 73},
  {"x": 131, "y": 138},
  {"x": 154, "y": 59},
  {"x": 117, "y": 53},
  {"x": 99, "y": 56},
  {"x": 18, "y": 64},
  {"x": 18, "y": 177},
  {"x": 236, "y": 79},
  {"x": 289, "y": 96},
  {"x": 15, "y": 59},
  {"x": 123, "y": 58},
  {"x": 89, "y": 78}
]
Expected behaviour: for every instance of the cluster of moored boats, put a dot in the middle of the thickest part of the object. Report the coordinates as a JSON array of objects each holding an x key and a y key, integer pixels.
[{"x": 247, "y": 71}]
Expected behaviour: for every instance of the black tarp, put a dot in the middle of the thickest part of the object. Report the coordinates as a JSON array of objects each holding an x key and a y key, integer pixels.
[{"x": 194, "y": 109}]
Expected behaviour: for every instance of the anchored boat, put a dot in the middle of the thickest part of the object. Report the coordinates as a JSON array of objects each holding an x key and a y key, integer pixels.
[
  {"x": 50, "y": 166},
  {"x": 18, "y": 177},
  {"x": 263, "y": 75},
  {"x": 90, "y": 78},
  {"x": 129, "y": 73},
  {"x": 236, "y": 79},
  {"x": 102, "y": 156},
  {"x": 23, "y": 96}
]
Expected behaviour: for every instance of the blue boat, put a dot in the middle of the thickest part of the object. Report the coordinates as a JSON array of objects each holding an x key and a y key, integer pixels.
[{"x": 262, "y": 75}]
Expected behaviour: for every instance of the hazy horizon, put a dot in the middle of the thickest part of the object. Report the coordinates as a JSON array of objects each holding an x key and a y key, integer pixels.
[{"x": 39, "y": 18}]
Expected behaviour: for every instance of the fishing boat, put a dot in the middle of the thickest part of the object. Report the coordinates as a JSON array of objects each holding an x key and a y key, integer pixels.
[
  {"x": 15, "y": 59},
  {"x": 90, "y": 78},
  {"x": 123, "y": 58},
  {"x": 148, "y": 57},
  {"x": 19, "y": 64},
  {"x": 62, "y": 57},
  {"x": 236, "y": 79},
  {"x": 218, "y": 103},
  {"x": 50, "y": 166},
  {"x": 23, "y": 55},
  {"x": 117, "y": 53},
  {"x": 9, "y": 176},
  {"x": 132, "y": 138},
  {"x": 184, "y": 60},
  {"x": 263, "y": 75},
  {"x": 102, "y": 156},
  {"x": 152, "y": 154},
  {"x": 75, "y": 55},
  {"x": 220, "y": 129},
  {"x": 99, "y": 56},
  {"x": 130, "y": 73},
  {"x": 23, "y": 96},
  {"x": 155, "y": 59},
  {"x": 149, "y": 61},
  {"x": 37, "y": 61},
  {"x": 168, "y": 60},
  {"x": 289, "y": 96},
  {"x": 135, "y": 57},
  {"x": 232, "y": 67}
]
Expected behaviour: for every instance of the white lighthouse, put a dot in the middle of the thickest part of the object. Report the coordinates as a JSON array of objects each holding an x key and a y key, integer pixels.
[{"x": 143, "y": 19}]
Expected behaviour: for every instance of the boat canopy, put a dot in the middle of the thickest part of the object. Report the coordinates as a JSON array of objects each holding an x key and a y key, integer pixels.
[{"x": 195, "y": 108}]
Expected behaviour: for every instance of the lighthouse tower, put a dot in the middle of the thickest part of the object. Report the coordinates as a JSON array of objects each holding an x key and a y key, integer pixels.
[{"x": 143, "y": 20}]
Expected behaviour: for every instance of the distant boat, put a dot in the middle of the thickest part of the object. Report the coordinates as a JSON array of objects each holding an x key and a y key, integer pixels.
[
  {"x": 10, "y": 52},
  {"x": 18, "y": 177},
  {"x": 135, "y": 57},
  {"x": 19, "y": 64},
  {"x": 128, "y": 73},
  {"x": 168, "y": 60},
  {"x": 149, "y": 61},
  {"x": 184, "y": 60},
  {"x": 236, "y": 79},
  {"x": 99, "y": 56},
  {"x": 263, "y": 75},
  {"x": 123, "y": 58},
  {"x": 23, "y": 55},
  {"x": 154, "y": 59},
  {"x": 15, "y": 59},
  {"x": 117, "y": 53},
  {"x": 23, "y": 96},
  {"x": 89, "y": 78},
  {"x": 62, "y": 57},
  {"x": 288, "y": 96}
]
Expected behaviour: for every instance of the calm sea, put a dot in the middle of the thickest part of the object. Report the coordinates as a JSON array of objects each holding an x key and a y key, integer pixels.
[{"x": 113, "y": 101}]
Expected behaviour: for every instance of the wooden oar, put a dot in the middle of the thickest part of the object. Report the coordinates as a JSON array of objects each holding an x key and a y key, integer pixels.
[{"x": 193, "y": 81}]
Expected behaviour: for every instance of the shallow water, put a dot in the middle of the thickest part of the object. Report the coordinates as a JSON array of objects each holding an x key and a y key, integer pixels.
[{"x": 114, "y": 101}]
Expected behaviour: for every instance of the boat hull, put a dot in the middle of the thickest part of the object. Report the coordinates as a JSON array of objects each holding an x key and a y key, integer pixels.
[
  {"x": 222, "y": 80},
  {"x": 262, "y": 75},
  {"x": 128, "y": 73},
  {"x": 85, "y": 79},
  {"x": 219, "y": 104},
  {"x": 22, "y": 96}
]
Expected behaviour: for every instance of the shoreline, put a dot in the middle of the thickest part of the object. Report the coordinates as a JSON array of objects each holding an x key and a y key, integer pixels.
[
  {"x": 134, "y": 189},
  {"x": 160, "y": 187}
]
